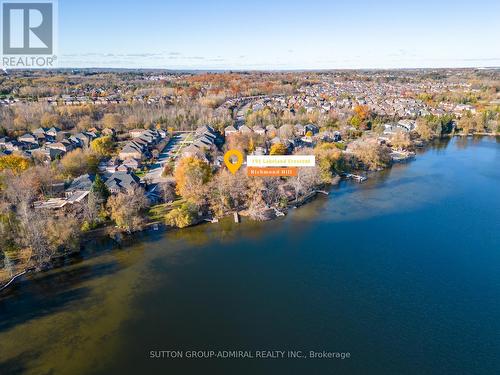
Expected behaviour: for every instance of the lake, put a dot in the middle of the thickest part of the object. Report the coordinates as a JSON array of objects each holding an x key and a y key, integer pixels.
[{"x": 402, "y": 272}]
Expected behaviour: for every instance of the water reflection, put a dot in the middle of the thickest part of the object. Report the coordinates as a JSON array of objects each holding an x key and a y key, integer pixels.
[{"x": 219, "y": 283}]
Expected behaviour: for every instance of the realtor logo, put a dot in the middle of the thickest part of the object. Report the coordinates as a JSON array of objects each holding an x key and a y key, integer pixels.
[{"x": 28, "y": 33}]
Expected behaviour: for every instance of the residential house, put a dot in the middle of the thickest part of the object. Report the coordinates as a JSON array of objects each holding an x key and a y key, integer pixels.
[
  {"x": 53, "y": 132},
  {"x": 134, "y": 133},
  {"x": 28, "y": 139},
  {"x": 195, "y": 152},
  {"x": 3, "y": 142},
  {"x": 406, "y": 125},
  {"x": 259, "y": 130},
  {"x": 230, "y": 130},
  {"x": 64, "y": 147},
  {"x": 39, "y": 133},
  {"x": 259, "y": 151},
  {"x": 206, "y": 140},
  {"x": 271, "y": 131},
  {"x": 84, "y": 138},
  {"x": 299, "y": 130},
  {"x": 80, "y": 184},
  {"x": 13, "y": 145},
  {"x": 112, "y": 165},
  {"x": 122, "y": 182},
  {"x": 275, "y": 140},
  {"x": 132, "y": 163},
  {"x": 46, "y": 154},
  {"x": 132, "y": 150}
]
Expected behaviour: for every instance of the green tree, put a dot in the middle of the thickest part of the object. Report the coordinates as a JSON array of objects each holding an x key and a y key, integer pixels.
[{"x": 100, "y": 188}]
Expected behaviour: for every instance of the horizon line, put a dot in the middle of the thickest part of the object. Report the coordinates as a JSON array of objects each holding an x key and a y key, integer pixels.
[{"x": 251, "y": 69}]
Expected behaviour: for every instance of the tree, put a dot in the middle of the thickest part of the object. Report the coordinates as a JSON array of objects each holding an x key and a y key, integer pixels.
[
  {"x": 78, "y": 162},
  {"x": 370, "y": 153},
  {"x": 286, "y": 131},
  {"x": 436, "y": 125},
  {"x": 111, "y": 120},
  {"x": 262, "y": 193},
  {"x": 306, "y": 180},
  {"x": 362, "y": 111},
  {"x": 228, "y": 192},
  {"x": 84, "y": 123},
  {"x": 32, "y": 236},
  {"x": 49, "y": 119},
  {"x": 15, "y": 163},
  {"x": 183, "y": 216},
  {"x": 424, "y": 129},
  {"x": 168, "y": 170},
  {"x": 329, "y": 160},
  {"x": 401, "y": 140},
  {"x": 251, "y": 145},
  {"x": 102, "y": 146},
  {"x": 43, "y": 235},
  {"x": 167, "y": 191},
  {"x": 127, "y": 209},
  {"x": 472, "y": 123},
  {"x": 277, "y": 149},
  {"x": 100, "y": 189},
  {"x": 91, "y": 210},
  {"x": 132, "y": 122},
  {"x": 191, "y": 176},
  {"x": 355, "y": 121},
  {"x": 94, "y": 211},
  {"x": 243, "y": 142}
]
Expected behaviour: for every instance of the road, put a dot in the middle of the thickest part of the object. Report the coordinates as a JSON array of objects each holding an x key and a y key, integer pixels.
[{"x": 170, "y": 152}]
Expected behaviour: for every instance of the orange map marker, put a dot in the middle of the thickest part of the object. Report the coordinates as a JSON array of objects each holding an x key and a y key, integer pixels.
[{"x": 233, "y": 167}]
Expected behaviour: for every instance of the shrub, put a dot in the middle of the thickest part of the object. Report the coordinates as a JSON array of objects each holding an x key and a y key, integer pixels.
[{"x": 183, "y": 216}]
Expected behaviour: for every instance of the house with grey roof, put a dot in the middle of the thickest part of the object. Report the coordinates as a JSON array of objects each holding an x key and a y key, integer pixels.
[
  {"x": 53, "y": 132},
  {"x": 64, "y": 147},
  {"x": 28, "y": 138},
  {"x": 46, "y": 154},
  {"x": 79, "y": 184},
  {"x": 230, "y": 130},
  {"x": 132, "y": 150},
  {"x": 122, "y": 182}
]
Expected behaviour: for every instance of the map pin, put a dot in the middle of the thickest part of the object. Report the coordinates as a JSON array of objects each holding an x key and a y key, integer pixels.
[{"x": 233, "y": 167}]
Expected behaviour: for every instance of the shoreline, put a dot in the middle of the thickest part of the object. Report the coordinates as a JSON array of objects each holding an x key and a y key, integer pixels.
[{"x": 118, "y": 237}]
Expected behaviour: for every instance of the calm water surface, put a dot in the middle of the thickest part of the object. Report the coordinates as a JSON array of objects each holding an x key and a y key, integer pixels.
[{"x": 403, "y": 272}]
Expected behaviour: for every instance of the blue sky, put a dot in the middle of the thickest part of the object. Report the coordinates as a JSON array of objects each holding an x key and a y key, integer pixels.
[{"x": 278, "y": 34}]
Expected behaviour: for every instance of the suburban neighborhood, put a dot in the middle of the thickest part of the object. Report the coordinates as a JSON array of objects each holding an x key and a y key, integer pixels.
[{"x": 146, "y": 150}]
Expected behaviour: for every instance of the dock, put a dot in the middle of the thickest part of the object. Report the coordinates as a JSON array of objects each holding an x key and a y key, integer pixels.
[
  {"x": 278, "y": 213},
  {"x": 236, "y": 217},
  {"x": 355, "y": 177},
  {"x": 213, "y": 220}
]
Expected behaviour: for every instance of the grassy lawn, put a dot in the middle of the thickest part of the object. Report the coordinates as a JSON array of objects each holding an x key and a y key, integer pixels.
[
  {"x": 140, "y": 173},
  {"x": 158, "y": 212}
]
